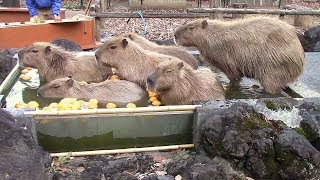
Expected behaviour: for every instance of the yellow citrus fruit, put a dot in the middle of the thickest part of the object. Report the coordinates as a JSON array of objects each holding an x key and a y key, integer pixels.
[
  {"x": 156, "y": 103},
  {"x": 153, "y": 99},
  {"x": 21, "y": 105},
  {"x": 47, "y": 109},
  {"x": 24, "y": 71},
  {"x": 33, "y": 104},
  {"x": 22, "y": 76},
  {"x": 115, "y": 77},
  {"x": 131, "y": 105},
  {"x": 76, "y": 106},
  {"x": 53, "y": 105},
  {"x": 93, "y": 101},
  {"x": 29, "y": 68},
  {"x": 68, "y": 100},
  {"x": 92, "y": 105},
  {"x": 111, "y": 105},
  {"x": 81, "y": 101},
  {"x": 26, "y": 78},
  {"x": 152, "y": 94}
]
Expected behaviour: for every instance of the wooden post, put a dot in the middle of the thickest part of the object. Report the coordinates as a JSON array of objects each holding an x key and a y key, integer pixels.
[{"x": 103, "y": 6}]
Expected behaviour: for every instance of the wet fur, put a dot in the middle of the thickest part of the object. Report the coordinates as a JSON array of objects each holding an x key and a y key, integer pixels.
[
  {"x": 59, "y": 63},
  {"x": 262, "y": 48},
  {"x": 120, "y": 92},
  {"x": 185, "y": 85},
  {"x": 174, "y": 51}
]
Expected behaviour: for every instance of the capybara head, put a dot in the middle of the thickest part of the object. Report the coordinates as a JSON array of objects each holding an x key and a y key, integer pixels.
[
  {"x": 165, "y": 76},
  {"x": 37, "y": 54},
  {"x": 57, "y": 87},
  {"x": 112, "y": 52},
  {"x": 188, "y": 34}
]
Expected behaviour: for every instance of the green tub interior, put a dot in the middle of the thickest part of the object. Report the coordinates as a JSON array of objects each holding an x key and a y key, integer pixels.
[{"x": 112, "y": 131}]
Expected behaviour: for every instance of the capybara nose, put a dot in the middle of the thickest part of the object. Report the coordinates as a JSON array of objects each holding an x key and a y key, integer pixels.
[
  {"x": 39, "y": 94},
  {"x": 150, "y": 81}
]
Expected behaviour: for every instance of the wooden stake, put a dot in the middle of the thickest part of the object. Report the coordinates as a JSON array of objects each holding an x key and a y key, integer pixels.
[{"x": 120, "y": 151}]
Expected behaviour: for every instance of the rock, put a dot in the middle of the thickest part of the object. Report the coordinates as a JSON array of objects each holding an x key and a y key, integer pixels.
[
  {"x": 7, "y": 62},
  {"x": 310, "y": 125},
  {"x": 307, "y": 45},
  {"x": 262, "y": 149},
  {"x": 20, "y": 155},
  {"x": 67, "y": 44},
  {"x": 202, "y": 167},
  {"x": 316, "y": 47},
  {"x": 313, "y": 34}
]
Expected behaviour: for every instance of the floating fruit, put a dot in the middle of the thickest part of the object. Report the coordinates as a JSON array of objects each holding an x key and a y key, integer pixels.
[
  {"x": 21, "y": 105},
  {"x": 76, "y": 106},
  {"x": 22, "y": 76},
  {"x": 29, "y": 68},
  {"x": 93, "y": 101},
  {"x": 152, "y": 94},
  {"x": 92, "y": 105},
  {"x": 68, "y": 100},
  {"x": 115, "y": 77},
  {"x": 24, "y": 71},
  {"x": 156, "y": 103},
  {"x": 47, "y": 109},
  {"x": 53, "y": 105},
  {"x": 33, "y": 104},
  {"x": 26, "y": 78},
  {"x": 81, "y": 101},
  {"x": 131, "y": 105},
  {"x": 153, "y": 99},
  {"x": 111, "y": 106}
]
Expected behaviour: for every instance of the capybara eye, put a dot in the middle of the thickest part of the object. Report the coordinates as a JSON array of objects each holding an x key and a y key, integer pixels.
[
  {"x": 34, "y": 51},
  {"x": 113, "y": 46},
  {"x": 55, "y": 86},
  {"x": 168, "y": 70},
  {"x": 191, "y": 28}
]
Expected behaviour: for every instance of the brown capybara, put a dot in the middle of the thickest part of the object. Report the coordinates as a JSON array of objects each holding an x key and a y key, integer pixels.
[
  {"x": 120, "y": 92},
  {"x": 177, "y": 83},
  {"x": 262, "y": 48},
  {"x": 55, "y": 62},
  {"x": 132, "y": 62},
  {"x": 174, "y": 51}
]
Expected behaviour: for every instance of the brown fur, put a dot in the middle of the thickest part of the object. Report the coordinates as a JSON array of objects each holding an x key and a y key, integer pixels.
[
  {"x": 54, "y": 62},
  {"x": 174, "y": 51},
  {"x": 262, "y": 48},
  {"x": 179, "y": 84},
  {"x": 120, "y": 92},
  {"x": 132, "y": 62}
]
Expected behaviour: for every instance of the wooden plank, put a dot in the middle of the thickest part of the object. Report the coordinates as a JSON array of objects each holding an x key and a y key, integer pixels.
[
  {"x": 151, "y": 15},
  {"x": 253, "y": 11}
]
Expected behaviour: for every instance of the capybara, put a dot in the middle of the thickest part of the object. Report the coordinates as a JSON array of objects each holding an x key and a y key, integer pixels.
[
  {"x": 177, "y": 83},
  {"x": 131, "y": 61},
  {"x": 120, "y": 92},
  {"x": 262, "y": 48},
  {"x": 175, "y": 51},
  {"x": 67, "y": 44},
  {"x": 55, "y": 62}
]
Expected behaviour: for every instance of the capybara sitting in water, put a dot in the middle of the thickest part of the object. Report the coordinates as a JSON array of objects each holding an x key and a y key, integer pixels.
[
  {"x": 177, "y": 83},
  {"x": 262, "y": 48},
  {"x": 174, "y": 51},
  {"x": 55, "y": 62},
  {"x": 120, "y": 92},
  {"x": 132, "y": 62}
]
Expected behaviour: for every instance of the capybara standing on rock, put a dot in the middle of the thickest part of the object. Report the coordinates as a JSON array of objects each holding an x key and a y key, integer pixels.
[
  {"x": 174, "y": 51},
  {"x": 262, "y": 48},
  {"x": 179, "y": 84},
  {"x": 132, "y": 62},
  {"x": 55, "y": 62},
  {"x": 120, "y": 92}
]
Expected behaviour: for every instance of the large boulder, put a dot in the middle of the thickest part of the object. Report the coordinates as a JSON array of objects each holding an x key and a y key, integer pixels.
[
  {"x": 7, "y": 62},
  {"x": 261, "y": 148},
  {"x": 20, "y": 155}
]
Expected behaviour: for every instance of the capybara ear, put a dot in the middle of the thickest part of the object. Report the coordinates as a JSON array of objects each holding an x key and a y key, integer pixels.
[
  {"x": 124, "y": 43},
  {"x": 70, "y": 81},
  {"x": 180, "y": 65},
  {"x": 204, "y": 24},
  {"x": 47, "y": 49}
]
